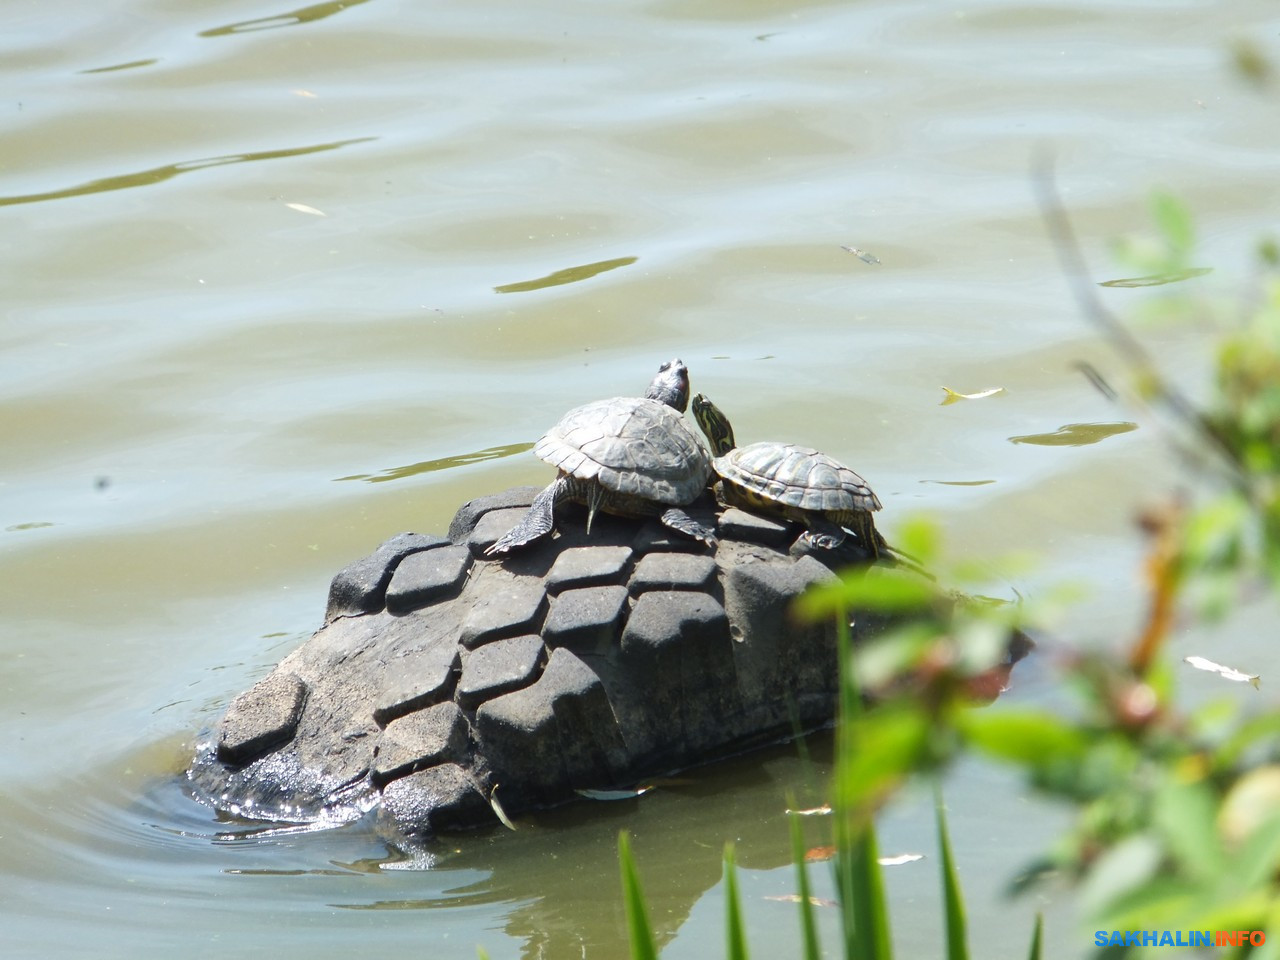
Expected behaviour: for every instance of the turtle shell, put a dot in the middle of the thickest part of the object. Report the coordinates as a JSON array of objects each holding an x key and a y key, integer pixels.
[
  {"x": 798, "y": 477},
  {"x": 631, "y": 446}
]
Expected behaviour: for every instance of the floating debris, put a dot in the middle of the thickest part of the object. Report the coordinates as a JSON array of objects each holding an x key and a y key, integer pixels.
[
  {"x": 1227, "y": 673},
  {"x": 900, "y": 859},
  {"x": 795, "y": 898},
  {"x": 497, "y": 809},
  {"x": 953, "y": 396},
  {"x": 303, "y": 208},
  {"x": 861, "y": 254},
  {"x": 822, "y": 811},
  {"x": 610, "y": 795}
]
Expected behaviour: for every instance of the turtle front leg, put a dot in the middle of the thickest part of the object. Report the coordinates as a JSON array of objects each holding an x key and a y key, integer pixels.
[
  {"x": 538, "y": 522},
  {"x": 823, "y": 533},
  {"x": 681, "y": 522}
]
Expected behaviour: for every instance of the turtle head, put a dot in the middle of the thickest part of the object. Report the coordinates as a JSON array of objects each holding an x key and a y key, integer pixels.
[
  {"x": 671, "y": 385},
  {"x": 714, "y": 424}
]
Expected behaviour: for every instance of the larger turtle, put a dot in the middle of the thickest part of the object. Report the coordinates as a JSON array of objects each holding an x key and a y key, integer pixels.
[
  {"x": 630, "y": 456},
  {"x": 786, "y": 480}
]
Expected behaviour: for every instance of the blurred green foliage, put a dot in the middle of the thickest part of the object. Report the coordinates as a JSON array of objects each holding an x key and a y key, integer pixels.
[{"x": 1177, "y": 808}]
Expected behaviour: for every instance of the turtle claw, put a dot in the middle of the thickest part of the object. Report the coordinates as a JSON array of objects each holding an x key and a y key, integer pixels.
[
  {"x": 825, "y": 536},
  {"x": 681, "y": 522},
  {"x": 538, "y": 522}
]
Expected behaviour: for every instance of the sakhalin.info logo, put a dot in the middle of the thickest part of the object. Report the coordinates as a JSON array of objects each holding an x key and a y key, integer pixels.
[{"x": 1178, "y": 938}]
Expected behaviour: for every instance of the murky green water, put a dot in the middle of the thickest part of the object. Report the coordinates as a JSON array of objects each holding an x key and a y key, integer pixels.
[{"x": 281, "y": 283}]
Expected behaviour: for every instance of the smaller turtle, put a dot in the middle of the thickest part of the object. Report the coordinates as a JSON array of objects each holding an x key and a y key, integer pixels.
[
  {"x": 786, "y": 480},
  {"x": 629, "y": 456}
]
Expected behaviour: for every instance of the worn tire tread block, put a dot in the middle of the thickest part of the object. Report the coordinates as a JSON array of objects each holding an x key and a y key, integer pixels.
[
  {"x": 439, "y": 798},
  {"x": 426, "y": 576},
  {"x": 587, "y": 617},
  {"x": 423, "y": 678},
  {"x": 682, "y": 693},
  {"x": 422, "y": 739},
  {"x": 738, "y": 524},
  {"x": 498, "y": 668},
  {"x": 587, "y": 567},
  {"x": 510, "y": 607},
  {"x": 361, "y": 587},
  {"x": 469, "y": 513},
  {"x": 672, "y": 571},
  {"x": 263, "y": 717},
  {"x": 555, "y": 735},
  {"x": 776, "y": 654}
]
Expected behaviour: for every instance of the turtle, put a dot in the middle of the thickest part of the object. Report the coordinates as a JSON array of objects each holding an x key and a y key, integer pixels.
[
  {"x": 791, "y": 481},
  {"x": 629, "y": 456}
]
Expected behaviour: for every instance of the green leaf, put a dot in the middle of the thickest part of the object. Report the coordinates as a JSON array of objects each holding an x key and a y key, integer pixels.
[
  {"x": 861, "y": 890},
  {"x": 882, "y": 589},
  {"x": 808, "y": 924},
  {"x": 879, "y": 750},
  {"x": 859, "y": 881},
  {"x": 1184, "y": 814},
  {"x": 1264, "y": 728},
  {"x": 1121, "y": 869},
  {"x": 957, "y": 935},
  {"x": 1024, "y": 736},
  {"x": 641, "y": 935},
  {"x": 1037, "y": 938},
  {"x": 734, "y": 931}
]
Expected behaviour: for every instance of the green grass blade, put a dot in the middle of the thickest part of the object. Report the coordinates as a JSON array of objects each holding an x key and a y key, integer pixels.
[
  {"x": 808, "y": 924},
  {"x": 870, "y": 912},
  {"x": 1037, "y": 938},
  {"x": 859, "y": 881},
  {"x": 641, "y": 935},
  {"x": 957, "y": 933},
  {"x": 736, "y": 934}
]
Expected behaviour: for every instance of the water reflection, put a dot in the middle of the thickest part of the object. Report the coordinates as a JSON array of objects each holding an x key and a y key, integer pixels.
[
  {"x": 567, "y": 275},
  {"x": 122, "y": 66},
  {"x": 1158, "y": 279},
  {"x": 1076, "y": 434},
  {"x": 317, "y": 11},
  {"x": 442, "y": 463},
  {"x": 560, "y": 861},
  {"x": 145, "y": 178}
]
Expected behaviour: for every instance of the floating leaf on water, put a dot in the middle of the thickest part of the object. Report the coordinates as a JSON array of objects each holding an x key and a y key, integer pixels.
[
  {"x": 1158, "y": 279},
  {"x": 861, "y": 254},
  {"x": 497, "y": 809},
  {"x": 819, "y": 854},
  {"x": 960, "y": 483},
  {"x": 1076, "y": 434},
  {"x": 614, "y": 794},
  {"x": 1227, "y": 673},
  {"x": 303, "y": 208},
  {"x": 821, "y": 811},
  {"x": 795, "y": 898},
  {"x": 953, "y": 396},
  {"x": 900, "y": 859}
]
